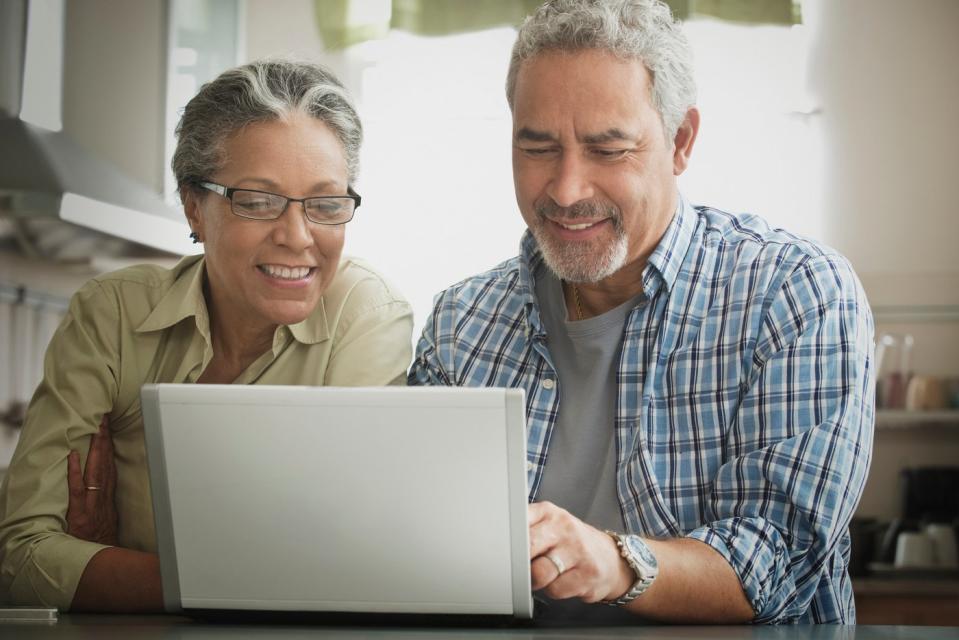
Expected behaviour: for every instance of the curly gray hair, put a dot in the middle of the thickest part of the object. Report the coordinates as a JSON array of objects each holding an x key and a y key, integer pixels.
[
  {"x": 633, "y": 29},
  {"x": 261, "y": 91}
]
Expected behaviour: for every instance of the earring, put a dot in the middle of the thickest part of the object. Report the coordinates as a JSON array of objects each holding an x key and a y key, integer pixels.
[{"x": 195, "y": 237}]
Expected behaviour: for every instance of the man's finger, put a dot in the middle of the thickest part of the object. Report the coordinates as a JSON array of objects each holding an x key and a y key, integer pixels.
[{"x": 537, "y": 511}]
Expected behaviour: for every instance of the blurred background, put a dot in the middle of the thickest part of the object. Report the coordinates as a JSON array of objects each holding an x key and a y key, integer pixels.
[{"x": 833, "y": 119}]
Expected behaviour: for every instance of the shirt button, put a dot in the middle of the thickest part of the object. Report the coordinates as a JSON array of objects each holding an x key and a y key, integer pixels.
[
  {"x": 548, "y": 383},
  {"x": 529, "y": 465}
]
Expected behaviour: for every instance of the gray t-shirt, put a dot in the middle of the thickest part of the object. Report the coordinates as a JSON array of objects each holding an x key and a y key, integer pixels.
[{"x": 580, "y": 471}]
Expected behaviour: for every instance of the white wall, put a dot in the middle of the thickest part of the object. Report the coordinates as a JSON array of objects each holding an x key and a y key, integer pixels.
[
  {"x": 114, "y": 84},
  {"x": 885, "y": 74}
]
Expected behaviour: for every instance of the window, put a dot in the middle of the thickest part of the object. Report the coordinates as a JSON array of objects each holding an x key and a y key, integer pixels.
[{"x": 436, "y": 177}]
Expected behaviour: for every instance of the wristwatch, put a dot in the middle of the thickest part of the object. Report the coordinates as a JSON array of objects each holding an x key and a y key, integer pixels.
[{"x": 641, "y": 560}]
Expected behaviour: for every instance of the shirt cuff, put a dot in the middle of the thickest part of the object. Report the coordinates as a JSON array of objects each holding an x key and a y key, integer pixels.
[
  {"x": 52, "y": 571},
  {"x": 758, "y": 554}
]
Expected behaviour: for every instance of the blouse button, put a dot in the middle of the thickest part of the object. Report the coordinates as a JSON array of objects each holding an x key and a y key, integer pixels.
[{"x": 548, "y": 383}]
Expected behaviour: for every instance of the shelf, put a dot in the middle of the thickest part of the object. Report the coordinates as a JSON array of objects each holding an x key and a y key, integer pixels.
[
  {"x": 903, "y": 419},
  {"x": 916, "y": 313}
]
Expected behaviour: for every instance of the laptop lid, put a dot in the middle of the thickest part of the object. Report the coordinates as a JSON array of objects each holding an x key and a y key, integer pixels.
[{"x": 374, "y": 500}]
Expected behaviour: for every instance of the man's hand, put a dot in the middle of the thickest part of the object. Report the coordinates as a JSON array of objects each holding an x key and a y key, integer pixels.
[
  {"x": 571, "y": 559},
  {"x": 91, "y": 510}
]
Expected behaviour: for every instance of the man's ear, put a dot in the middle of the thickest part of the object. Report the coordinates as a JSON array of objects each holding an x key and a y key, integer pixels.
[{"x": 684, "y": 140}]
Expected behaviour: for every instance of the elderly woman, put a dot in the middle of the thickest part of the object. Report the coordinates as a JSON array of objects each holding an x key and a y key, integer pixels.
[{"x": 265, "y": 159}]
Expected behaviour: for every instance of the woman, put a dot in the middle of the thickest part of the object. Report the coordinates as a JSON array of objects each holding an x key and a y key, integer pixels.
[{"x": 266, "y": 155}]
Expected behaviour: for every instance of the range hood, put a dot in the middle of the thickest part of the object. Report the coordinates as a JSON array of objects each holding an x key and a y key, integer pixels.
[{"x": 47, "y": 180}]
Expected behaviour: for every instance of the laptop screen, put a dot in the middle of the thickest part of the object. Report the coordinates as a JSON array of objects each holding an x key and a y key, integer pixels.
[{"x": 386, "y": 500}]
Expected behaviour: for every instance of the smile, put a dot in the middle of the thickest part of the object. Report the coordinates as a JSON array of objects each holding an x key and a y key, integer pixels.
[
  {"x": 281, "y": 272},
  {"x": 580, "y": 226}
]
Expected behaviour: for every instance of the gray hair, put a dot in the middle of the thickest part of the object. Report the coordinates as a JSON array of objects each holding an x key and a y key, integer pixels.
[
  {"x": 260, "y": 91},
  {"x": 631, "y": 29}
]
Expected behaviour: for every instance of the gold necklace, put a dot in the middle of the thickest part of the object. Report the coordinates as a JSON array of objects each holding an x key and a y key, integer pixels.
[{"x": 576, "y": 301}]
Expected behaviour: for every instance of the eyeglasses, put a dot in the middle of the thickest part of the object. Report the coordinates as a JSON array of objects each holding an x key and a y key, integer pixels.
[{"x": 262, "y": 205}]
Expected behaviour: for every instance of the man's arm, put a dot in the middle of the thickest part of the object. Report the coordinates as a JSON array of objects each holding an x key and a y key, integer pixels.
[
  {"x": 798, "y": 447},
  {"x": 799, "y": 452},
  {"x": 695, "y": 584}
]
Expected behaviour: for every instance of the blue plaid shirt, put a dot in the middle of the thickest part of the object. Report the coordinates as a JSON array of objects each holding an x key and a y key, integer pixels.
[{"x": 744, "y": 410}]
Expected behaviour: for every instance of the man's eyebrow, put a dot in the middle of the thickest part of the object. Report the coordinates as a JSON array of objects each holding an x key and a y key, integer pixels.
[
  {"x": 534, "y": 136},
  {"x": 610, "y": 135}
]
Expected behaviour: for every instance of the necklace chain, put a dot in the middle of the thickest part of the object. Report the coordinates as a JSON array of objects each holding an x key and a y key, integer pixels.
[{"x": 576, "y": 301}]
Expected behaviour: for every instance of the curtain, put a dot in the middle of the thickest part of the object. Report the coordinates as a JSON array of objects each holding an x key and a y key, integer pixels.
[
  {"x": 785, "y": 12},
  {"x": 347, "y": 22}
]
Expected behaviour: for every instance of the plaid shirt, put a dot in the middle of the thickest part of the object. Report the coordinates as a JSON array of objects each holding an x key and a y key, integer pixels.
[{"x": 744, "y": 412}]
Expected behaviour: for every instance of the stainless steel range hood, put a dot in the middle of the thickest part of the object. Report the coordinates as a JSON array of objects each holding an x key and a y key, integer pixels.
[{"x": 45, "y": 176}]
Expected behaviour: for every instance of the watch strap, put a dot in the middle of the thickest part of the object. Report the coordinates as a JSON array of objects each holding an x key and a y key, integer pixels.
[{"x": 642, "y": 583}]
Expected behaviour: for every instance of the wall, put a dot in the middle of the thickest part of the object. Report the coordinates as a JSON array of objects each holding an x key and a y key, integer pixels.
[
  {"x": 884, "y": 71},
  {"x": 114, "y": 89},
  {"x": 882, "y": 76}
]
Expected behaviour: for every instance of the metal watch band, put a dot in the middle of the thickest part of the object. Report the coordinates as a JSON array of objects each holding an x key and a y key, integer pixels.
[
  {"x": 638, "y": 588},
  {"x": 643, "y": 581}
]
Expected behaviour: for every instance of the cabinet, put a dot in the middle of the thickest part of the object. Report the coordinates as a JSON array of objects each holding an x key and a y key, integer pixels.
[{"x": 913, "y": 601}]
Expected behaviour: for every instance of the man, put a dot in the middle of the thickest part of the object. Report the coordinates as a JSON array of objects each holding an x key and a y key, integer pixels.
[{"x": 699, "y": 386}]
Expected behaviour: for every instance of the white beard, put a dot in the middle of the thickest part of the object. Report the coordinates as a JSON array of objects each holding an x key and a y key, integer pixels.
[
  {"x": 586, "y": 261},
  {"x": 582, "y": 262}
]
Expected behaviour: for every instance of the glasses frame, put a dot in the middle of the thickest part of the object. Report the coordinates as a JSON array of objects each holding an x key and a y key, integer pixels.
[{"x": 227, "y": 192}]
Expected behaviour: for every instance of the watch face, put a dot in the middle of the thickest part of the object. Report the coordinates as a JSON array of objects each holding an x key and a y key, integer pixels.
[{"x": 639, "y": 550}]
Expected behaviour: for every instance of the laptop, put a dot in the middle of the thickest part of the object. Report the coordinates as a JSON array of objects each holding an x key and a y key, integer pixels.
[{"x": 340, "y": 500}]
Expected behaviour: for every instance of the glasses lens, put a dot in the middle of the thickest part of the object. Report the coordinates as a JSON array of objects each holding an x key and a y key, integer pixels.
[
  {"x": 253, "y": 204},
  {"x": 331, "y": 210}
]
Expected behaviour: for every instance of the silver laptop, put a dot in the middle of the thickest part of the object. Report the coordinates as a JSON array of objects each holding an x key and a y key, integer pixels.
[{"x": 356, "y": 500}]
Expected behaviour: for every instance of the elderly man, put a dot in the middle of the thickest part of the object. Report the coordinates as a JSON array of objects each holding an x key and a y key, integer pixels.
[{"x": 699, "y": 386}]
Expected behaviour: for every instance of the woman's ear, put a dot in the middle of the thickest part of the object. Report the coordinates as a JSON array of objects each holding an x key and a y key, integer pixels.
[{"x": 191, "y": 207}]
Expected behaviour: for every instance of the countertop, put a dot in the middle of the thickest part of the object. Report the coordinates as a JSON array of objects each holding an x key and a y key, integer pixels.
[{"x": 106, "y": 627}]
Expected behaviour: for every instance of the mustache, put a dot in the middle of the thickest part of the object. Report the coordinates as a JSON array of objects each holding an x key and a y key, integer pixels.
[{"x": 588, "y": 209}]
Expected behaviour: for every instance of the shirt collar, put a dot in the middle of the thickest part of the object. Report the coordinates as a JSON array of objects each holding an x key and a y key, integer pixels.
[
  {"x": 530, "y": 261},
  {"x": 668, "y": 256},
  {"x": 182, "y": 300},
  {"x": 313, "y": 329},
  {"x": 185, "y": 299}
]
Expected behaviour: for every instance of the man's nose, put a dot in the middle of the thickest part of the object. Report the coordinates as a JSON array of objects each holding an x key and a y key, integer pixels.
[{"x": 570, "y": 182}]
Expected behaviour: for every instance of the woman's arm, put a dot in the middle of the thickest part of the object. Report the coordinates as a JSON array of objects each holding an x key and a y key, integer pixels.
[
  {"x": 120, "y": 581},
  {"x": 41, "y": 563},
  {"x": 115, "y": 579}
]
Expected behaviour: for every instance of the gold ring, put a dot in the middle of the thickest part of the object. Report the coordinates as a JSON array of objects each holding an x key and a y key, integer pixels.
[
  {"x": 91, "y": 487},
  {"x": 560, "y": 566}
]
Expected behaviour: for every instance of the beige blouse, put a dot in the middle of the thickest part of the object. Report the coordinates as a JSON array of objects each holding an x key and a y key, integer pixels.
[{"x": 148, "y": 324}]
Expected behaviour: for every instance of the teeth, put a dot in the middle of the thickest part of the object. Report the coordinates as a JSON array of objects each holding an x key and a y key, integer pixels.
[
  {"x": 285, "y": 273},
  {"x": 578, "y": 227}
]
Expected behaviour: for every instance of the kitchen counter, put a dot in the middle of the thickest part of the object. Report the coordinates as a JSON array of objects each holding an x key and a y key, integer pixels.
[{"x": 106, "y": 627}]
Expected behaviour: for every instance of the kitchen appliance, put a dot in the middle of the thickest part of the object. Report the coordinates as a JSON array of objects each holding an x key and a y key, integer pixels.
[
  {"x": 930, "y": 495},
  {"x": 47, "y": 180}
]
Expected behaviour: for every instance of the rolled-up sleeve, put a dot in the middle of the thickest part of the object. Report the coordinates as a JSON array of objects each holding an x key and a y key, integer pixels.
[
  {"x": 40, "y": 564},
  {"x": 779, "y": 512}
]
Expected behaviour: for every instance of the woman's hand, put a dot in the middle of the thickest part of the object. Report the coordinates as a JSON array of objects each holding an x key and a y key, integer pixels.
[{"x": 91, "y": 510}]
